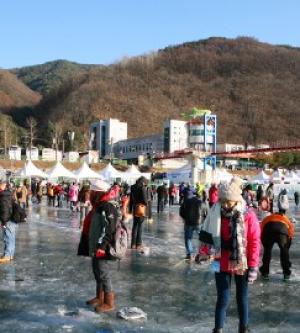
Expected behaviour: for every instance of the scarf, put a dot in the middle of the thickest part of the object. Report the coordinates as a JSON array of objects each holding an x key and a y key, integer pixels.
[{"x": 237, "y": 242}]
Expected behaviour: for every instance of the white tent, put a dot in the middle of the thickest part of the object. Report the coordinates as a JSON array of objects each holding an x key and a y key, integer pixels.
[
  {"x": 110, "y": 173},
  {"x": 183, "y": 174},
  {"x": 222, "y": 176},
  {"x": 30, "y": 170},
  {"x": 260, "y": 178},
  {"x": 277, "y": 176},
  {"x": 60, "y": 171},
  {"x": 133, "y": 173},
  {"x": 85, "y": 172},
  {"x": 291, "y": 177}
]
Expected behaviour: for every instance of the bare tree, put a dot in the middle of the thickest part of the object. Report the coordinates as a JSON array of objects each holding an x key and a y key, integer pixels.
[{"x": 31, "y": 125}]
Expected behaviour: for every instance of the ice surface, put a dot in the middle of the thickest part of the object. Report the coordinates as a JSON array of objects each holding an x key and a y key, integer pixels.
[{"x": 45, "y": 288}]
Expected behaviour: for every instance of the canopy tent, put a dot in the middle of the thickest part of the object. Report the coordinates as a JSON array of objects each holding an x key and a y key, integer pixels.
[
  {"x": 291, "y": 177},
  {"x": 30, "y": 170},
  {"x": 277, "y": 176},
  {"x": 183, "y": 174},
  {"x": 109, "y": 173},
  {"x": 85, "y": 172},
  {"x": 222, "y": 176},
  {"x": 260, "y": 178},
  {"x": 133, "y": 173},
  {"x": 60, "y": 171}
]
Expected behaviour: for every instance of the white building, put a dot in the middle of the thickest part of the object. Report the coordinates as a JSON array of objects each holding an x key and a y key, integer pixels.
[
  {"x": 49, "y": 154},
  {"x": 71, "y": 156},
  {"x": 104, "y": 134},
  {"x": 14, "y": 153},
  {"x": 176, "y": 135},
  {"x": 146, "y": 146},
  {"x": 91, "y": 156},
  {"x": 32, "y": 154},
  {"x": 229, "y": 147}
]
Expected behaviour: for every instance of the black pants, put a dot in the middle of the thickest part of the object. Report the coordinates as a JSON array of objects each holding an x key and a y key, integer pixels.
[
  {"x": 171, "y": 200},
  {"x": 149, "y": 209},
  {"x": 102, "y": 274},
  {"x": 137, "y": 230},
  {"x": 160, "y": 205},
  {"x": 284, "y": 243}
]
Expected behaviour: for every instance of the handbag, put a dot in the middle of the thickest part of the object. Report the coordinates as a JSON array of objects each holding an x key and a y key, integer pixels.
[
  {"x": 140, "y": 210},
  {"x": 206, "y": 237}
]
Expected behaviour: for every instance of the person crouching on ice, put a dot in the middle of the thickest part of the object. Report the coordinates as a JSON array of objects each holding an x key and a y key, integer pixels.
[
  {"x": 235, "y": 236},
  {"x": 97, "y": 235},
  {"x": 276, "y": 228}
]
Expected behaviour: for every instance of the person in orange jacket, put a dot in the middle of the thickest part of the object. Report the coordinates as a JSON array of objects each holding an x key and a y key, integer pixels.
[{"x": 276, "y": 228}]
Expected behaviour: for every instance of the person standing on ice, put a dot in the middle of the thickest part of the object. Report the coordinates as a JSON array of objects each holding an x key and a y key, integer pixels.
[
  {"x": 138, "y": 199},
  {"x": 270, "y": 196},
  {"x": 96, "y": 239},
  {"x": 8, "y": 226},
  {"x": 232, "y": 232},
  {"x": 283, "y": 201},
  {"x": 192, "y": 213}
]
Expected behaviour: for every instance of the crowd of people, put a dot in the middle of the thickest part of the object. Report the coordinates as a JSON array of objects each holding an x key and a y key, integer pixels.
[{"x": 222, "y": 216}]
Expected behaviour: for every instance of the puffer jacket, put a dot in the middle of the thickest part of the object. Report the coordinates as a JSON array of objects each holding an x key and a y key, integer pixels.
[
  {"x": 191, "y": 211},
  {"x": 252, "y": 236},
  {"x": 5, "y": 206}
]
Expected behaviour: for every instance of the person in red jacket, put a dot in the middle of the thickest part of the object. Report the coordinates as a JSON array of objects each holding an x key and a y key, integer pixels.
[
  {"x": 213, "y": 194},
  {"x": 234, "y": 234}
]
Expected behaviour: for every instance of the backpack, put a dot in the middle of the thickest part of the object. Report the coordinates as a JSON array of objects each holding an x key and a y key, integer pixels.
[
  {"x": 18, "y": 213},
  {"x": 119, "y": 245}
]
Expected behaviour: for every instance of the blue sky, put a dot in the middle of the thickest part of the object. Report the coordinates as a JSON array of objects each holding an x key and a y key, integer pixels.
[{"x": 104, "y": 31}]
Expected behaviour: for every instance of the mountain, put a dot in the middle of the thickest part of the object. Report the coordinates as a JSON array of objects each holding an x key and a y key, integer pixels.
[
  {"x": 253, "y": 88},
  {"x": 14, "y": 93},
  {"x": 49, "y": 76}
]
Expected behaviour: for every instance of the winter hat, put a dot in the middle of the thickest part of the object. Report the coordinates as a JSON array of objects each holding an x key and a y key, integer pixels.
[
  {"x": 231, "y": 191},
  {"x": 99, "y": 185}
]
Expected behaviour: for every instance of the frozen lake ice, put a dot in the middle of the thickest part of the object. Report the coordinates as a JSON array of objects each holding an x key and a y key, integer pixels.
[{"x": 45, "y": 288}]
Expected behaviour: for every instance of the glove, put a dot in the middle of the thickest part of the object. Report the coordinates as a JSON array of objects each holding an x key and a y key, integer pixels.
[
  {"x": 252, "y": 274},
  {"x": 99, "y": 253}
]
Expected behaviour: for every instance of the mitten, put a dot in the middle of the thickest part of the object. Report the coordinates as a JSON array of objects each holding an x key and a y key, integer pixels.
[
  {"x": 252, "y": 274},
  {"x": 99, "y": 253}
]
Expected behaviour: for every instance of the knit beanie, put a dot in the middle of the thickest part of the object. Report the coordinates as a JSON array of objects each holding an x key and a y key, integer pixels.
[{"x": 231, "y": 191}]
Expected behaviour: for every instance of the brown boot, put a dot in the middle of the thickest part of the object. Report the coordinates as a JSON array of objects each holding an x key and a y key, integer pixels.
[
  {"x": 98, "y": 300},
  {"x": 109, "y": 303},
  {"x": 5, "y": 260}
]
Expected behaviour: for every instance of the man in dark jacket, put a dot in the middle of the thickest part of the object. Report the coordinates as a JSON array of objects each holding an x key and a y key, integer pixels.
[
  {"x": 193, "y": 214},
  {"x": 8, "y": 226},
  {"x": 138, "y": 197}
]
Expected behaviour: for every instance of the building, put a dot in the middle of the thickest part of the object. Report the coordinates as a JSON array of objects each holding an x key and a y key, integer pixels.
[
  {"x": 49, "y": 154},
  {"x": 146, "y": 146},
  {"x": 32, "y": 154},
  {"x": 229, "y": 147},
  {"x": 14, "y": 153},
  {"x": 175, "y": 135},
  {"x": 104, "y": 134}
]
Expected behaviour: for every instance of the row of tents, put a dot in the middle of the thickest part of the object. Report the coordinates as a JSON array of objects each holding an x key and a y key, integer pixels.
[
  {"x": 278, "y": 176},
  {"x": 109, "y": 173}
]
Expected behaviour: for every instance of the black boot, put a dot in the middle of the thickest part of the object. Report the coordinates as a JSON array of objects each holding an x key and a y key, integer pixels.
[
  {"x": 244, "y": 330},
  {"x": 217, "y": 330}
]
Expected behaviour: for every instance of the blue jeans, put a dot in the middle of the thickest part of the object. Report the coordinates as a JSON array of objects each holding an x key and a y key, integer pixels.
[
  {"x": 188, "y": 237},
  {"x": 223, "y": 283},
  {"x": 9, "y": 239}
]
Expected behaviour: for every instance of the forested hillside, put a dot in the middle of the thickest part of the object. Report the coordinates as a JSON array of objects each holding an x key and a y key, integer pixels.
[{"x": 253, "y": 87}]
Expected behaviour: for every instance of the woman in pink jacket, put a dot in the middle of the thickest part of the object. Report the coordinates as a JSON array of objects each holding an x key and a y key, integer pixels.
[{"x": 235, "y": 235}]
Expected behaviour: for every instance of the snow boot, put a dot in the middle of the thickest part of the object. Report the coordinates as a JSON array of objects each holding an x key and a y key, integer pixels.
[
  {"x": 5, "y": 260},
  {"x": 98, "y": 300},
  {"x": 108, "y": 304}
]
